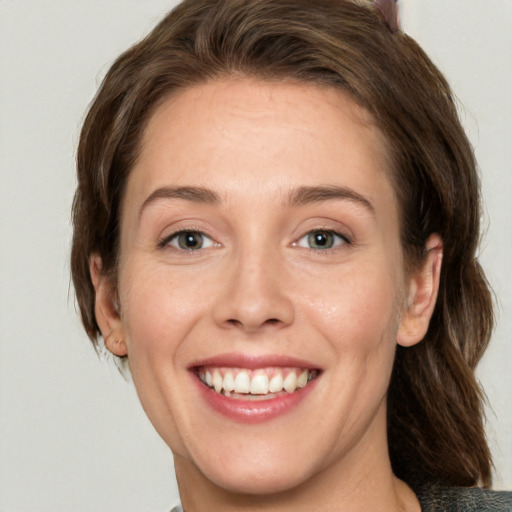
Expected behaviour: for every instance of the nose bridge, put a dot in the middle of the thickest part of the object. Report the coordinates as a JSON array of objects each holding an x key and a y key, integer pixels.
[{"x": 255, "y": 290}]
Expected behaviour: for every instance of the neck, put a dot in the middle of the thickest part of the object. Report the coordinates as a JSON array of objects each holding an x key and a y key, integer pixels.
[{"x": 359, "y": 482}]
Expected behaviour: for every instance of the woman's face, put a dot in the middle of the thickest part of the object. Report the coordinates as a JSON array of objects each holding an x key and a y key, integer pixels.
[{"x": 261, "y": 283}]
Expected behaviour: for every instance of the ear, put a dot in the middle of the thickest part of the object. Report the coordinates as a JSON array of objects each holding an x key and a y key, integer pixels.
[
  {"x": 106, "y": 308},
  {"x": 422, "y": 288}
]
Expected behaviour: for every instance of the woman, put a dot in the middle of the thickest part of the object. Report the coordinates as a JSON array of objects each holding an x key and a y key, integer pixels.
[{"x": 275, "y": 225}]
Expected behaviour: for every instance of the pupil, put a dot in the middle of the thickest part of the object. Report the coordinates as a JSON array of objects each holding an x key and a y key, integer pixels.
[
  {"x": 320, "y": 239},
  {"x": 190, "y": 241}
]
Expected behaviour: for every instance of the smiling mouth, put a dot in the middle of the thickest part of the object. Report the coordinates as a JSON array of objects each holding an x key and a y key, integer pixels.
[{"x": 259, "y": 384}]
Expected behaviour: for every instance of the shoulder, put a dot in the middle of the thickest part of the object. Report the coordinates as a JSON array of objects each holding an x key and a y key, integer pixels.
[{"x": 436, "y": 498}]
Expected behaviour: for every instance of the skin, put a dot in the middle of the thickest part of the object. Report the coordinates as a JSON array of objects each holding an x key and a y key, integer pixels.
[{"x": 258, "y": 288}]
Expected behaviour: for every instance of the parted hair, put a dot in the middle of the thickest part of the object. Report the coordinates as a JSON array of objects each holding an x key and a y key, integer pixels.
[{"x": 435, "y": 404}]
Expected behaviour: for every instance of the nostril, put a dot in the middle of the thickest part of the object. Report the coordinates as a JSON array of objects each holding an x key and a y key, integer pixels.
[{"x": 238, "y": 323}]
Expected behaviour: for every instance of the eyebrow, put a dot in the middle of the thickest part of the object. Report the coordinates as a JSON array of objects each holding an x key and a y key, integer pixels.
[
  {"x": 193, "y": 194},
  {"x": 305, "y": 195},
  {"x": 300, "y": 196}
]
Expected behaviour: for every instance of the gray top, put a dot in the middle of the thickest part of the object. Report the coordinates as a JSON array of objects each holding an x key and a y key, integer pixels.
[
  {"x": 455, "y": 499},
  {"x": 463, "y": 499}
]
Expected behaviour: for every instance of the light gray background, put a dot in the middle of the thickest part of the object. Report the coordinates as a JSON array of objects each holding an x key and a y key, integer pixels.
[{"x": 72, "y": 434}]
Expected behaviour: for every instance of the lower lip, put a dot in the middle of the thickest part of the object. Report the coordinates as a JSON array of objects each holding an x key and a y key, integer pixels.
[{"x": 249, "y": 411}]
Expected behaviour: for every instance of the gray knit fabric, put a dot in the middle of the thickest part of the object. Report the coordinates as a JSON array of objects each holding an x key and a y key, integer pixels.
[{"x": 464, "y": 499}]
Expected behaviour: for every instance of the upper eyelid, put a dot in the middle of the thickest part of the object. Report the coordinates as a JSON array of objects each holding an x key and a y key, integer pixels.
[
  {"x": 164, "y": 240},
  {"x": 173, "y": 231},
  {"x": 325, "y": 223},
  {"x": 346, "y": 238},
  {"x": 345, "y": 234}
]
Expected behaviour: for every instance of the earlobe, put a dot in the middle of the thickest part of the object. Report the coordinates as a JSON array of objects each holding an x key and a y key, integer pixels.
[
  {"x": 116, "y": 345},
  {"x": 422, "y": 292},
  {"x": 106, "y": 309}
]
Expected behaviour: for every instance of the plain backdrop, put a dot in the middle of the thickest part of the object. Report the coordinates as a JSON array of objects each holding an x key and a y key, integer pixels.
[{"x": 72, "y": 434}]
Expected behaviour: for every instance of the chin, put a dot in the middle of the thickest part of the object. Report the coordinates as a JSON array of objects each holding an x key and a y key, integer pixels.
[{"x": 256, "y": 478}]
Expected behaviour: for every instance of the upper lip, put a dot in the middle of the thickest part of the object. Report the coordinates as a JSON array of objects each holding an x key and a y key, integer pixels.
[{"x": 253, "y": 362}]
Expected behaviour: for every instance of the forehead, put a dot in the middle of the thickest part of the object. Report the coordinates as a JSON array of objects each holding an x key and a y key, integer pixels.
[{"x": 242, "y": 135}]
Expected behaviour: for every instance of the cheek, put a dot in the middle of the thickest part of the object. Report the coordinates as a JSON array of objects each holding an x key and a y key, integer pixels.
[
  {"x": 159, "y": 308},
  {"x": 357, "y": 316},
  {"x": 357, "y": 308}
]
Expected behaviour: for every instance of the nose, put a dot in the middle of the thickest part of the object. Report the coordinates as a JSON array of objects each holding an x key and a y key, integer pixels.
[{"x": 255, "y": 294}]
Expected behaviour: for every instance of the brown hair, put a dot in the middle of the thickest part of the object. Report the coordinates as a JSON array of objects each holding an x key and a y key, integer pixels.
[{"x": 435, "y": 418}]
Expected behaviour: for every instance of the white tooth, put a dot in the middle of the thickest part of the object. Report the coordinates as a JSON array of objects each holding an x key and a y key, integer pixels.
[
  {"x": 217, "y": 380},
  {"x": 242, "y": 382},
  {"x": 259, "y": 385},
  {"x": 302, "y": 379},
  {"x": 208, "y": 378},
  {"x": 229, "y": 382},
  {"x": 290, "y": 382},
  {"x": 276, "y": 383}
]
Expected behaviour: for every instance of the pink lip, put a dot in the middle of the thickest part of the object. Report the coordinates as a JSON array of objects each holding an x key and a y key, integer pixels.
[
  {"x": 237, "y": 360},
  {"x": 249, "y": 411}
]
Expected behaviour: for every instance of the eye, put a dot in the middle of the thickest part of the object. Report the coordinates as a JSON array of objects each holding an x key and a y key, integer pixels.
[
  {"x": 322, "y": 239},
  {"x": 188, "y": 241}
]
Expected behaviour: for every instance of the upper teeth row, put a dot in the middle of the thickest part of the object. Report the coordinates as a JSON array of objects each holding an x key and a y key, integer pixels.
[{"x": 255, "y": 383}]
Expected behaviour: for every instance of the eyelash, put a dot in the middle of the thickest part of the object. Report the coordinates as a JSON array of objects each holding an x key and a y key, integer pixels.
[
  {"x": 342, "y": 239},
  {"x": 167, "y": 241}
]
